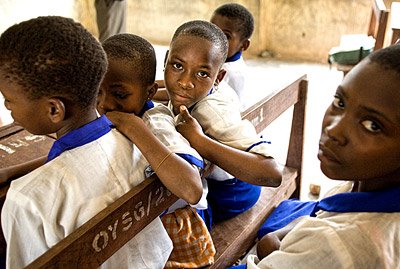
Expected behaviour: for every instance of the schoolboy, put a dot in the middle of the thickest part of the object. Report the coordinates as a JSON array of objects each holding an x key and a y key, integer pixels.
[
  {"x": 358, "y": 224},
  {"x": 128, "y": 87},
  {"x": 192, "y": 78},
  {"x": 237, "y": 23},
  {"x": 50, "y": 72}
]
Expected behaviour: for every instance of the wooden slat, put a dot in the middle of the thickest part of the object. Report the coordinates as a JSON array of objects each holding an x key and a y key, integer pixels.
[
  {"x": 234, "y": 236},
  {"x": 96, "y": 240}
]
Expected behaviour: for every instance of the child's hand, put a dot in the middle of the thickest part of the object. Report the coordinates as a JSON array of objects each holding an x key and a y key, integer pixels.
[
  {"x": 188, "y": 126},
  {"x": 268, "y": 244},
  {"x": 124, "y": 121}
]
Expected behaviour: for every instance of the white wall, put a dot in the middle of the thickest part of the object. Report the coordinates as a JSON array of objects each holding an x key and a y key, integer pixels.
[{"x": 15, "y": 11}]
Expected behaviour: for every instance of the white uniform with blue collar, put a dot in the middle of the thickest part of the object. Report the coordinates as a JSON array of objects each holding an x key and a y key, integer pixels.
[
  {"x": 90, "y": 168},
  {"x": 219, "y": 116},
  {"x": 350, "y": 230}
]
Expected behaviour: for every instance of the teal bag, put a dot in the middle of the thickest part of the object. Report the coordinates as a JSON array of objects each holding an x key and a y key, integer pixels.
[
  {"x": 350, "y": 57},
  {"x": 352, "y": 49}
]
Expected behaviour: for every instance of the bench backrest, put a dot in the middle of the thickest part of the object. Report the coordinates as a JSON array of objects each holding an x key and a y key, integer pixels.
[
  {"x": 234, "y": 237},
  {"x": 95, "y": 241}
]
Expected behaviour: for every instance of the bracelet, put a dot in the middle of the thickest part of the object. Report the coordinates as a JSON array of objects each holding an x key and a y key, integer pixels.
[{"x": 163, "y": 160}]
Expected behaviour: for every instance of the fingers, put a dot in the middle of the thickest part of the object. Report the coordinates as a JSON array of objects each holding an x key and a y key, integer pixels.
[{"x": 184, "y": 112}]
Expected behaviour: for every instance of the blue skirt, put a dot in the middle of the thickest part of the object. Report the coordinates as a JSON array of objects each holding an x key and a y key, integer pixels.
[{"x": 230, "y": 197}]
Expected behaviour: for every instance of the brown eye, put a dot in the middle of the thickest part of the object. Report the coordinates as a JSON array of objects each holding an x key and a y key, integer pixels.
[{"x": 371, "y": 126}]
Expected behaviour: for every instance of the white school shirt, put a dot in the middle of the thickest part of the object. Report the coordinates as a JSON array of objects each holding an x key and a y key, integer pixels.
[
  {"x": 339, "y": 240},
  {"x": 236, "y": 73},
  {"x": 160, "y": 120},
  {"x": 219, "y": 116},
  {"x": 46, "y": 205}
]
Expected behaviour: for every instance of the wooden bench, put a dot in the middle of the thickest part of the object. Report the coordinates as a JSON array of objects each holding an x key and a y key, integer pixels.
[
  {"x": 234, "y": 237},
  {"x": 95, "y": 241}
]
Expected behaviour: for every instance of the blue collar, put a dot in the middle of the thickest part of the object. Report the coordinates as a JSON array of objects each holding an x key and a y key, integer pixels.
[
  {"x": 81, "y": 136},
  {"x": 148, "y": 105},
  {"x": 234, "y": 57},
  {"x": 387, "y": 201},
  {"x": 210, "y": 92}
]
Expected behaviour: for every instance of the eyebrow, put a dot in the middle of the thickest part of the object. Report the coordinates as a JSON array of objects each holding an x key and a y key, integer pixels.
[
  {"x": 179, "y": 59},
  {"x": 341, "y": 91}
]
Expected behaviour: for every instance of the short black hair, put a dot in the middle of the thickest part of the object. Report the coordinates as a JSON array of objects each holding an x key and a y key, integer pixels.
[
  {"x": 136, "y": 51},
  {"x": 53, "y": 56},
  {"x": 239, "y": 15},
  {"x": 205, "y": 30},
  {"x": 388, "y": 57}
]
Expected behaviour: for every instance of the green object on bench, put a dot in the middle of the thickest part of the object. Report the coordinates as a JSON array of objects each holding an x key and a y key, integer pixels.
[{"x": 350, "y": 56}]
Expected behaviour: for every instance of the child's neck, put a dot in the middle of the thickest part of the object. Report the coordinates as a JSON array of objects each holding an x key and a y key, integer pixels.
[{"x": 75, "y": 122}]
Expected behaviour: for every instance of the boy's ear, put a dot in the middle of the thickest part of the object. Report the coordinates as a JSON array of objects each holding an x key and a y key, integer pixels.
[
  {"x": 151, "y": 90},
  {"x": 245, "y": 44},
  {"x": 220, "y": 76},
  {"x": 55, "y": 110}
]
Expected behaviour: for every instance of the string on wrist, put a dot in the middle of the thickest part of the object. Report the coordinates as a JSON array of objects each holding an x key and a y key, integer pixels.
[{"x": 162, "y": 161}]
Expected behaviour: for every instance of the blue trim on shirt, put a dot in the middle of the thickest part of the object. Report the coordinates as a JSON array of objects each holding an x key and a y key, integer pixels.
[
  {"x": 256, "y": 144},
  {"x": 387, "y": 201},
  {"x": 234, "y": 57},
  {"x": 81, "y": 136},
  {"x": 147, "y": 106},
  {"x": 191, "y": 159}
]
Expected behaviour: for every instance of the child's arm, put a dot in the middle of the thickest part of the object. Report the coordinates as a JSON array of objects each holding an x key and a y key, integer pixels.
[
  {"x": 247, "y": 166},
  {"x": 19, "y": 170},
  {"x": 180, "y": 177},
  {"x": 272, "y": 241}
]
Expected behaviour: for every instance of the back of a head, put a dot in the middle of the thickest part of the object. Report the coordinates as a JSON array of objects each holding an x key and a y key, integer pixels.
[
  {"x": 207, "y": 31},
  {"x": 239, "y": 15},
  {"x": 388, "y": 58},
  {"x": 53, "y": 56},
  {"x": 136, "y": 51}
]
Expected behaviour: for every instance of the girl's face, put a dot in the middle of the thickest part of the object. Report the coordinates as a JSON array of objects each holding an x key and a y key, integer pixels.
[
  {"x": 30, "y": 114},
  {"x": 191, "y": 70},
  {"x": 360, "y": 137},
  {"x": 122, "y": 89},
  {"x": 235, "y": 40}
]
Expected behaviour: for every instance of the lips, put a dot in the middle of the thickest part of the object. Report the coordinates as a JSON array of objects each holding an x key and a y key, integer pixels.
[{"x": 327, "y": 155}]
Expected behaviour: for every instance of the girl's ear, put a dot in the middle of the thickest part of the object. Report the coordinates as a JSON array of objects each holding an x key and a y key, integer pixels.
[
  {"x": 56, "y": 110},
  {"x": 245, "y": 44},
  {"x": 151, "y": 91},
  {"x": 220, "y": 76}
]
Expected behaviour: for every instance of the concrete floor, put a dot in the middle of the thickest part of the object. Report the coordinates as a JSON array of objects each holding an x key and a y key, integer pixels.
[{"x": 265, "y": 76}]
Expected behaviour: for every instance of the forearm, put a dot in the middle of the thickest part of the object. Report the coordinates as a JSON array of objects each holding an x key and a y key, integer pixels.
[
  {"x": 247, "y": 166},
  {"x": 178, "y": 176}
]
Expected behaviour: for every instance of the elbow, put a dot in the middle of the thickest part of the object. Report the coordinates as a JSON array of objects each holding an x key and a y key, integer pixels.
[{"x": 194, "y": 195}]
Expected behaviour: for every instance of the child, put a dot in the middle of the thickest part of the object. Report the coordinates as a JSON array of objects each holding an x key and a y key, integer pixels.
[
  {"x": 50, "y": 72},
  {"x": 128, "y": 87},
  {"x": 358, "y": 224},
  {"x": 192, "y": 76},
  {"x": 237, "y": 23}
]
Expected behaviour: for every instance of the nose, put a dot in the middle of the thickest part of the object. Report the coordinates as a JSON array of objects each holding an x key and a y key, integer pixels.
[
  {"x": 336, "y": 129},
  {"x": 185, "y": 81},
  {"x": 105, "y": 104}
]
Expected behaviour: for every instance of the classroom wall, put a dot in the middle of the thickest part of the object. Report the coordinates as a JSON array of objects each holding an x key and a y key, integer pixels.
[{"x": 286, "y": 29}]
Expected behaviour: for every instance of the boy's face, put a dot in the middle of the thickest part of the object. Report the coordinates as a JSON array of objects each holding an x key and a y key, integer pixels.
[
  {"x": 30, "y": 114},
  {"x": 360, "y": 137},
  {"x": 191, "y": 69},
  {"x": 227, "y": 25},
  {"x": 122, "y": 89}
]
